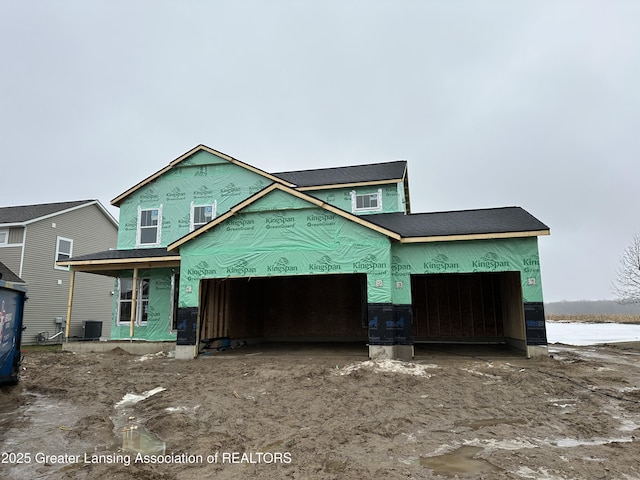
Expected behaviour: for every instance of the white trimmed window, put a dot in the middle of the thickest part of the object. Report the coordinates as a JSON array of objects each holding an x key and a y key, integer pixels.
[
  {"x": 149, "y": 226},
  {"x": 125, "y": 299},
  {"x": 4, "y": 237},
  {"x": 366, "y": 202},
  {"x": 64, "y": 250},
  {"x": 201, "y": 215}
]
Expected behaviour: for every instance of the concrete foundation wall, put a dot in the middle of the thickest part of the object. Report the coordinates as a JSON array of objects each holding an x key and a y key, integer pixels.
[{"x": 391, "y": 352}]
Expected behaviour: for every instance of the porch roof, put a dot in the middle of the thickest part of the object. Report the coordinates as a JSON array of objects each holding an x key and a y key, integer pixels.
[{"x": 109, "y": 262}]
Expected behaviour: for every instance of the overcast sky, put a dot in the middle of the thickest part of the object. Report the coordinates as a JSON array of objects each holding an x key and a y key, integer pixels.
[{"x": 492, "y": 103}]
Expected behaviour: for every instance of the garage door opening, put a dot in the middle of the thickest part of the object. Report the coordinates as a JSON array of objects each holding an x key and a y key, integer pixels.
[
  {"x": 314, "y": 308},
  {"x": 468, "y": 308}
]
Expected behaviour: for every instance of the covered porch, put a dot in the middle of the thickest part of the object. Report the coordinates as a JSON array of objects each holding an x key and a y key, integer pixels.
[{"x": 136, "y": 273}]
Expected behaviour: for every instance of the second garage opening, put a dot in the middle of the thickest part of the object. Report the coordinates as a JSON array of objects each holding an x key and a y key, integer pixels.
[{"x": 468, "y": 307}]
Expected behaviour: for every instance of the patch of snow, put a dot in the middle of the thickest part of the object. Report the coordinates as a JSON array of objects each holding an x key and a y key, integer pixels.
[
  {"x": 150, "y": 356},
  {"x": 513, "y": 444},
  {"x": 628, "y": 426},
  {"x": 571, "y": 442},
  {"x": 629, "y": 389},
  {"x": 575, "y": 333},
  {"x": 540, "y": 474},
  {"x": 480, "y": 374},
  {"x": 389, "y": 366},
  {"x": 133, "y": 398}
]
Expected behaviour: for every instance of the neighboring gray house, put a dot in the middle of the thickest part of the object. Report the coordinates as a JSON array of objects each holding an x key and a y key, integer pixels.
[{"x": 33, "y": 238}]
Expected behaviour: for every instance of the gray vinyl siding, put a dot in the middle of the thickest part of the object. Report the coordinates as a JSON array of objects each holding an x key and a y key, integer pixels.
[
  {"x": 10, "y": 256},
  {"x": 90, "y": 231}
]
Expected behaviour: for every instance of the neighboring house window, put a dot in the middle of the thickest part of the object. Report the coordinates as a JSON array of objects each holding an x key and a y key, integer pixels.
[
  {"x": 201, "y": 215},
  {"x": 149, "y": 226},
  {"x": 64, "y": 248},
  {"x": 125, "y": 298},
  {"x": 367, "y": 202},
  {"x": 4, "y": 237}
]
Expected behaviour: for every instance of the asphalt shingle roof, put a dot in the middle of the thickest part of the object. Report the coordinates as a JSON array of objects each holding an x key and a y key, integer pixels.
[
  {"x": 126, "y": 254},
  {"x": 24, "y": 213},
  {"x": 341, "y": 175},
  {"x": 462, "y": 222}
]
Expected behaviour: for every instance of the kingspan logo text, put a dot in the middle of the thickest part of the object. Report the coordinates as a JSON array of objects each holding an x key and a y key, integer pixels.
[
  {"x": 202, "y": 192},
  {"x": 531, "y": 262},
  {"x": 325, "y": 264},
  {"x": 176, "y": 194},
  {"x": 320, "y": 218},
  {"x": 256, "y": 187},
  {"x": 241, "y": 268},
  {"x": 441, "y": 263},
  {"x": 397, "y": 266},
  {"x": 184, "y": 221},
  {"x": 280, "y": 221},
  {"x": 230, "y": 190},
  {"x": 131, "y": 225},
  {"x": 400, "y": 267},
  {"x": 440, "y": 266},
  {"x": 201, "y": 270},
  {"x": 489, "y": 262},
  {"x": 149, "y": 195},
  {"x": 241, "y": 222},
  {"x": 370, "y": 262},
  {"x": 282, "y": 266}
]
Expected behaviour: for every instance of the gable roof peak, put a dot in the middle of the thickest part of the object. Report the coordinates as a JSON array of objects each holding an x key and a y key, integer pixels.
[
  {"x": 198, "y": 148},
  {"x": 292, "y": 191}
]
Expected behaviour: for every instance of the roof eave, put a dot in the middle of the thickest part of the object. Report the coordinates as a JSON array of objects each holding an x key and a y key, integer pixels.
[
  {"x": 12, "y": 224},
  {"x": 475, "y": 236},
  {"x": 349, "y": 185},
  {"x": 117, "y": 264}
]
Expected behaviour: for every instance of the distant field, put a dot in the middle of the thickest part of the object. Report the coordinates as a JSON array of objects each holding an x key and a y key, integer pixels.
[{"x": 594, "y": 318}]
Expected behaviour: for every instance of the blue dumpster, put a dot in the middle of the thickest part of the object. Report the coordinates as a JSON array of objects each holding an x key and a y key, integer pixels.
[{"x": 12, "y": 298}]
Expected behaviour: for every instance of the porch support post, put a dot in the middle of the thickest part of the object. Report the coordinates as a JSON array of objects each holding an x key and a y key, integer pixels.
[
  {"x": 134, "y": 301},
  {"x": 72, "y": 279}
]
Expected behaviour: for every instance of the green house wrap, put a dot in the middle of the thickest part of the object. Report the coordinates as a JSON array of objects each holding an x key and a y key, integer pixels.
[
  {"x": 219, "y": 247},
  {"x": 284, "y": 235}
]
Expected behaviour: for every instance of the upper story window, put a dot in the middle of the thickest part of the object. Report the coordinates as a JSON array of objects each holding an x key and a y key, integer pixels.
[
  {"x": 149, "y": 226},
  {"x": 64, "y": 249},
  {"x": 201, "y": 214},
  {"x": 367, "y": 202},
  {"x": 4, "y": 237}
]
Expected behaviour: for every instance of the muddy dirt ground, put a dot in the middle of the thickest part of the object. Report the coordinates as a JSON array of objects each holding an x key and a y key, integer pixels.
[{"x": 314, "y": 412}]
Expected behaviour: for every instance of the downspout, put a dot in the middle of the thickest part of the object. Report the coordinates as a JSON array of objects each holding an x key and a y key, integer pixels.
[{"x": 24, "y": 246}]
